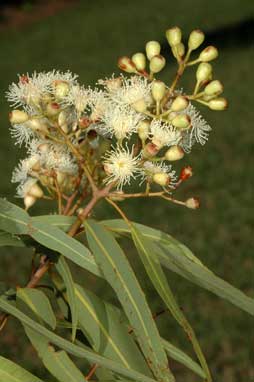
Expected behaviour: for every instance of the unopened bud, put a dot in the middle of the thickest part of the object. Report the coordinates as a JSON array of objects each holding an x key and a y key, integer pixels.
[
  {"x": 219, "y": 103},
  {"x": 143, "y": 130},
  {"x": 29, "y": 201},
  {"x": 125, "y": 64},
  {"x": 37, "y": 124},
  {"x": 174, "y": 153},
  {"x": 204, "y": 72},
  {"x": 196, "y": 38},
  {"x": 18, "y": 116},
  {"x": 61, "y": 89},
  {"x": 192, "y": 203},
  {"x": 180, "y": 48},
  {"x": 180, "y": 103},
  {"x": 157, "y": 63},
  {"x": 153, "y": 48},
  {"x": 174, "y": 36},
  {"x": 60, "y": 177},
  {"x": 186, "y": 173},
  {"x": 158, "y": 90},
  {"x": 208, "y": 54},
  {"x": 214, "y": 87},
  {"x": 150, "y": 150},
  {"x": 43, "y": 147},
  {"x": 34, "y": 163},
  {"x": 139, "y": 59},
  {"x": 53, "y": 109},
  {"x": 139, "y": 106},
  {"x": 161, "y": 178},
  {"x": 181, "y": 121},
  {"x": 35, "y": 191}
]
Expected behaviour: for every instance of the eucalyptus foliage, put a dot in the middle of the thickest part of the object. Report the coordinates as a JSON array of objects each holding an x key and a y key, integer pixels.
[{"x": 87, "y": 145}]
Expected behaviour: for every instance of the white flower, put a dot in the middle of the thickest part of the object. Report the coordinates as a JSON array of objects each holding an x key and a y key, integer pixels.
[
  {"x": 30, "y": 89},
  {"x": 24, "y": 188},
  {"x": 78, "y": 96},
  {"x": 21, "y": 134},
  {"x": 53, "y": 156},
  {"x": 133, "y": 90},
  {"x": 150, "y": 168},
  {"x": 199, "y": 129},
  {"x": 98, "y": 102},
  {"x": 120, "y": 122},
  {"x": 111, "y": 84},
  {"x": 24, "y": 168},
  {"x": 163, "y": 134},
  {"x": 120, "y": 166}
]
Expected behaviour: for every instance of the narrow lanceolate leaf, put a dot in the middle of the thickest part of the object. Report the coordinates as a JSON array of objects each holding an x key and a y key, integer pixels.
[
  {"x": 119, "y": 274},
  {"x": 10, "y": 240},
  {"x": 39, "y": 303},
  {"x": 55, "y": 239},
  {"x": 61, "y": 221},
  {"x": 148, "y": 255},
  {"x": 71, "y": 348},
  {"x": 58, "y": 363},
  {"x": 17, "y": 221},
  {"x": 181, "y": 357},
  {"x": 11, "y": 372},
  {"x": 64, "y": 271},
  {"x": 178, "y": 258},
  {"x": 13, "y": 219},
  {"x": 102, "y": 324}
]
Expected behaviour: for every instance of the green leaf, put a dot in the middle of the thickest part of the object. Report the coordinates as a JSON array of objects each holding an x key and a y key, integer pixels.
[
  {"x": 61, "y": 221},
  {"x": 13, "y": 219},
  {"x": 39, "y": 303},
  {"x": 64, "y": 271},
  {"x": 7, "y": 239},
  {"x": 148, "y": 254},
  {"x": 119, "y": 274},
  {"x": 178, "y": 258},
  {"x": 11, "y": 372},
  {"x": 181, "y": 357},
  {"x": 71, "y": 348},
  {"x": 58, "y": 363},
  {"x": 55, "y": 239},
  {"x": 102, "y": 324}
]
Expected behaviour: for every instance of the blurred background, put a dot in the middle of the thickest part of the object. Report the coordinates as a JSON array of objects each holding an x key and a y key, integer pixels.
[{"x": 87, "y": 37}]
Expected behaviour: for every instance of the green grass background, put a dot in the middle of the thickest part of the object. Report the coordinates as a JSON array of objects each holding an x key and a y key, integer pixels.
[{"x": 88, "y": 39}]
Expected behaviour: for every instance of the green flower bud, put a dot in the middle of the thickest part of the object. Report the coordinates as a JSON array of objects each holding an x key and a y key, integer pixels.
[
  {"x": 214, "y": 87},
  {"x": 139, "y": 106},
  {"x": 157, "y": 63},
  {"x": 29, "y": 201},
  {"x": 174, "y": 36},
  {"x": 174, "y": 153},
  {"x": 180, "y": 49},
  {"x": 126, "y": 64},
  {"x": 18, "y": 116},
  {"x": 143, "y": 130},
  {"x": 139, "y": 59},
  {"x": 180, "y": 103},
  {"x": 196, "y": 38},
  {"x": 192, "y": 203},
  {"x": 181, "y": 121},
  {"x": 161, "y": 178},
  {"x": 219, "y": 103},
  {"x": 153, "y": 48},
  {"x": 204, "y": 72},
  {"x": 208, "y": 54},
  {"x": 35, "y": 191},
  {"x": 158, "y": 90}
]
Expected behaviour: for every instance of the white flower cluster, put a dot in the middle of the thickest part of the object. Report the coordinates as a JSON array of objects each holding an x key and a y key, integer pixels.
[{"x": 57, "y": 110}]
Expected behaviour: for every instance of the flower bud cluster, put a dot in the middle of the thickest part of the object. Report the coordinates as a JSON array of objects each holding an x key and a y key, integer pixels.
[{"x": 126, "y": 128}]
